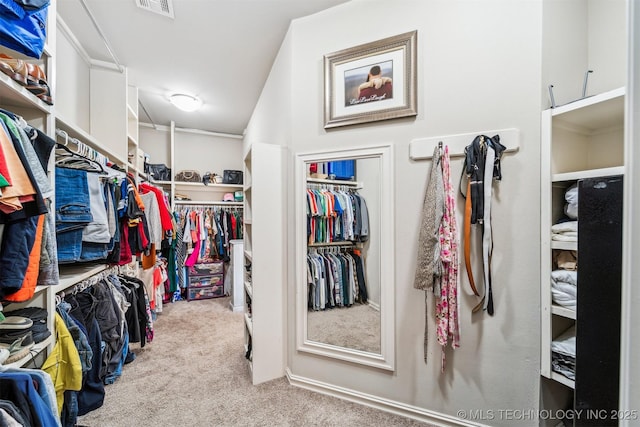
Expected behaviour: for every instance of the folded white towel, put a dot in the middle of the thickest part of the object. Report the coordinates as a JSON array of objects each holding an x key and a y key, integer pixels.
[
  {"x": 563, "y": 238},
  {"x": 565, "y": 226},
  {"x": 565, "y": 343}
]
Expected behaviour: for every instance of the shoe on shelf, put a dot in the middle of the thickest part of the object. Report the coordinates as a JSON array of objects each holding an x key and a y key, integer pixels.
[
  {"x": 14, "y": 68},
  {"x": 18, "y": 349},
  {"x": 37, "y": 83},
  {"x": 10, "y": 339}
]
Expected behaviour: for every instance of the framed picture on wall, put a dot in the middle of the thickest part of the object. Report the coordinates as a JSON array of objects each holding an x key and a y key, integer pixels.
[{"x": 371, "y": 82}]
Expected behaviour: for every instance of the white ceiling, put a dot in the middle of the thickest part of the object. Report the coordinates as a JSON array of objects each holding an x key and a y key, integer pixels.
[{"x": 218, "y": 50}]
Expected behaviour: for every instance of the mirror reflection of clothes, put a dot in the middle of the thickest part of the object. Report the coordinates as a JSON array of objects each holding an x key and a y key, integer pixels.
[
  {"x": 335, "y": 280},
  {"x": 336, "y": 215}
]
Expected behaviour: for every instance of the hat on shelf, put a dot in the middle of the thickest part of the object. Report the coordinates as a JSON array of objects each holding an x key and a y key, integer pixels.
[
  {"x": 15, "y": 322},
  {"x": 228, "y": 197}
]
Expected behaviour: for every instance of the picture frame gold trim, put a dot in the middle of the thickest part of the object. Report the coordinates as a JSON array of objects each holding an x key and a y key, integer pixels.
[{"x": 344, "y": 104}]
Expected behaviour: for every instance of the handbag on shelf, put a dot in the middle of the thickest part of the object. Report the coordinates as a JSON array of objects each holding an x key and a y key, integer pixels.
[
  {"x": 188, "y": 176},
  {"x": 159, "y": 172},
  {"x": 232, "y": 177}
]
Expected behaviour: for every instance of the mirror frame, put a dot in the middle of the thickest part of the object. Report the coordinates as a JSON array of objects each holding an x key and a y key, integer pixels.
[{"x": 386, "y": 358}]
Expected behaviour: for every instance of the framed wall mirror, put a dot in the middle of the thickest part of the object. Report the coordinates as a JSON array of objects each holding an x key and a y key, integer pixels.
[{"x": 345, "y": 303}]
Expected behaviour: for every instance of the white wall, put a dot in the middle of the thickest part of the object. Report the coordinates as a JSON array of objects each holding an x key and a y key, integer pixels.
[
  {"x": 156, "y": 143},
  {"x": 564, "y": 49},
  {"x": 270, "y": 122},
  {"x": 578, "y": 36},
  {"x": 206, "y": 153},
  {"x": 72, "y": 83},
  {"x": 607, "y": 45},
  {"x": 469, "y": 80}
]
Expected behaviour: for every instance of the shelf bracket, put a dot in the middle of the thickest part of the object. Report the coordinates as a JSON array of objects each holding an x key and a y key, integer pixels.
[{"x": 422, "y": 148}]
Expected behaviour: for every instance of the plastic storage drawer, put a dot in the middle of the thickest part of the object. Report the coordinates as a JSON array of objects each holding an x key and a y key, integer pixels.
[
  {"x": 208, "y": 268},
  {"x": 202, "y": 281},
  {"x": 342, "y": 169},
  {"x": 205, "y": 292}
]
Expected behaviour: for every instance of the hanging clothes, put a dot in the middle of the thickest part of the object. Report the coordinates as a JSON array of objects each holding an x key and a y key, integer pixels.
[
  {"x": 25, "y": 192},
  {"x": 437, "y": 259},
  {"x": 335, "y": 215},
  {"x": 204, "y": 234},
  {"x": 447, "y": 314},
  {"x": 335, "y": 279}
]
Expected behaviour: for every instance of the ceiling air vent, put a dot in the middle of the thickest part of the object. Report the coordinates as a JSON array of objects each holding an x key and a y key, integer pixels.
[{"x": 161, "y": 7}]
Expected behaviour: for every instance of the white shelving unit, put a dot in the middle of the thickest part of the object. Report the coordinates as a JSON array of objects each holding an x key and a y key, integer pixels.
[
  {"x": 17, "y": 99},
  {"x": 583, "y": 139},
  {"x": 172, "y": 154},
  {"x": 92, "y": 104},
  {"x": 264, "y": 252}
]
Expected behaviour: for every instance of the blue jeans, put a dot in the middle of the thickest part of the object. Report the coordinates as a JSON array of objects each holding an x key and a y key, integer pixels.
[{"x": 73, "y": 212}]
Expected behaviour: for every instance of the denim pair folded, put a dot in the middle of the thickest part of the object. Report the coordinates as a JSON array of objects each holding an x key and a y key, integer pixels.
[{"x": 73, "y": 212}]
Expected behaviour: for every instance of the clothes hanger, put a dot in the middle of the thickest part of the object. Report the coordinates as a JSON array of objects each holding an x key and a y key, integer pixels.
[{"x": 74, "y": 160}]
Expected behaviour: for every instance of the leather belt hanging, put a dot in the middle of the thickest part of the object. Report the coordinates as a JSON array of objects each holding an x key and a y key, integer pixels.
[{"x": 482, "y": 165}]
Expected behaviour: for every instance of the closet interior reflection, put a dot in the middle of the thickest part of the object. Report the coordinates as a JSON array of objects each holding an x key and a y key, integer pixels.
[{"x": 345, "y": 310}]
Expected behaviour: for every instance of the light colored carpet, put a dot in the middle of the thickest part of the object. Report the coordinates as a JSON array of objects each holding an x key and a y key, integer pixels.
[
  {"x": 194, "y": 374},
  {"x": 356, "y": 327}
]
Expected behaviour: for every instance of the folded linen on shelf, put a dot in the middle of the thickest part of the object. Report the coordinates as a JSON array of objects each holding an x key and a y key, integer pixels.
[
  {"x": 564, "y": 237},
  {"x": 565, "y": 231},
  {"x": 563, "y": 353},
  {"x": 564, "y": 289},
  {"x": 562, "y": 227}
]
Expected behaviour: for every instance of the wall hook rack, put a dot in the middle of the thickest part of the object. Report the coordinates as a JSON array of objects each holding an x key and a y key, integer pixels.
[{"x": 422, "y": 148}]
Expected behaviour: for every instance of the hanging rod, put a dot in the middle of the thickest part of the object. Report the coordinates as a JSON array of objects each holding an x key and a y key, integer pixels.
[
  {"x": 328, "y": 244},
  {"x": 83, "y": 149},
  {"x": 102, "y": 36},
  {"x": 208, "y": 203},
  {"x": 333, "y": 182}
]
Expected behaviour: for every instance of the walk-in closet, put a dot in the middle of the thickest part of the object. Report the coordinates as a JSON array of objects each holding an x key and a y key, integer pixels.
[{"x": 322, "y": 212}]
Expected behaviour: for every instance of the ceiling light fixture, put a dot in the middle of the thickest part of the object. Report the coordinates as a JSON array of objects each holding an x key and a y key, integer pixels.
[{"x": 185, "y": 102}]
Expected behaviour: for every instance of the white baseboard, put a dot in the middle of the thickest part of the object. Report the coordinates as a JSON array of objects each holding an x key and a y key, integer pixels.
[
  {"x": 391, "y": 406},
  {"x": 236, "y": 308}
]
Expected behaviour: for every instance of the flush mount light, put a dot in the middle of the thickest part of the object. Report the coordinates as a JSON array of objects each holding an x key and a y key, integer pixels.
[{"x": 185, "y": 102}]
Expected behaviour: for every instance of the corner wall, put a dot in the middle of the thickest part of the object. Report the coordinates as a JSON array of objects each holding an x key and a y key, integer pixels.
[{"x": 479, "y": 69}]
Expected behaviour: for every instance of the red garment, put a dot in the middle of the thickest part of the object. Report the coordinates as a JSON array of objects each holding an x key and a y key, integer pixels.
[
  {"x": 234, "y": 229},
  {"x": 144, "y": 240},
  {"x": 125, "y": 250},
  {"x": 165, "y": 214}
]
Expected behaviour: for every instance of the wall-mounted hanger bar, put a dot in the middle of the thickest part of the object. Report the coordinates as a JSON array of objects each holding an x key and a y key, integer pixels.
[
  {"x": 334, "y": 182},
  {"x": 422, "y": 148},
  {"x": 82, "y": 149},
  {"x": 208, "y": 203},
  {"x": 327, "y": 244},
  {"x": 102, "y": 36}
]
